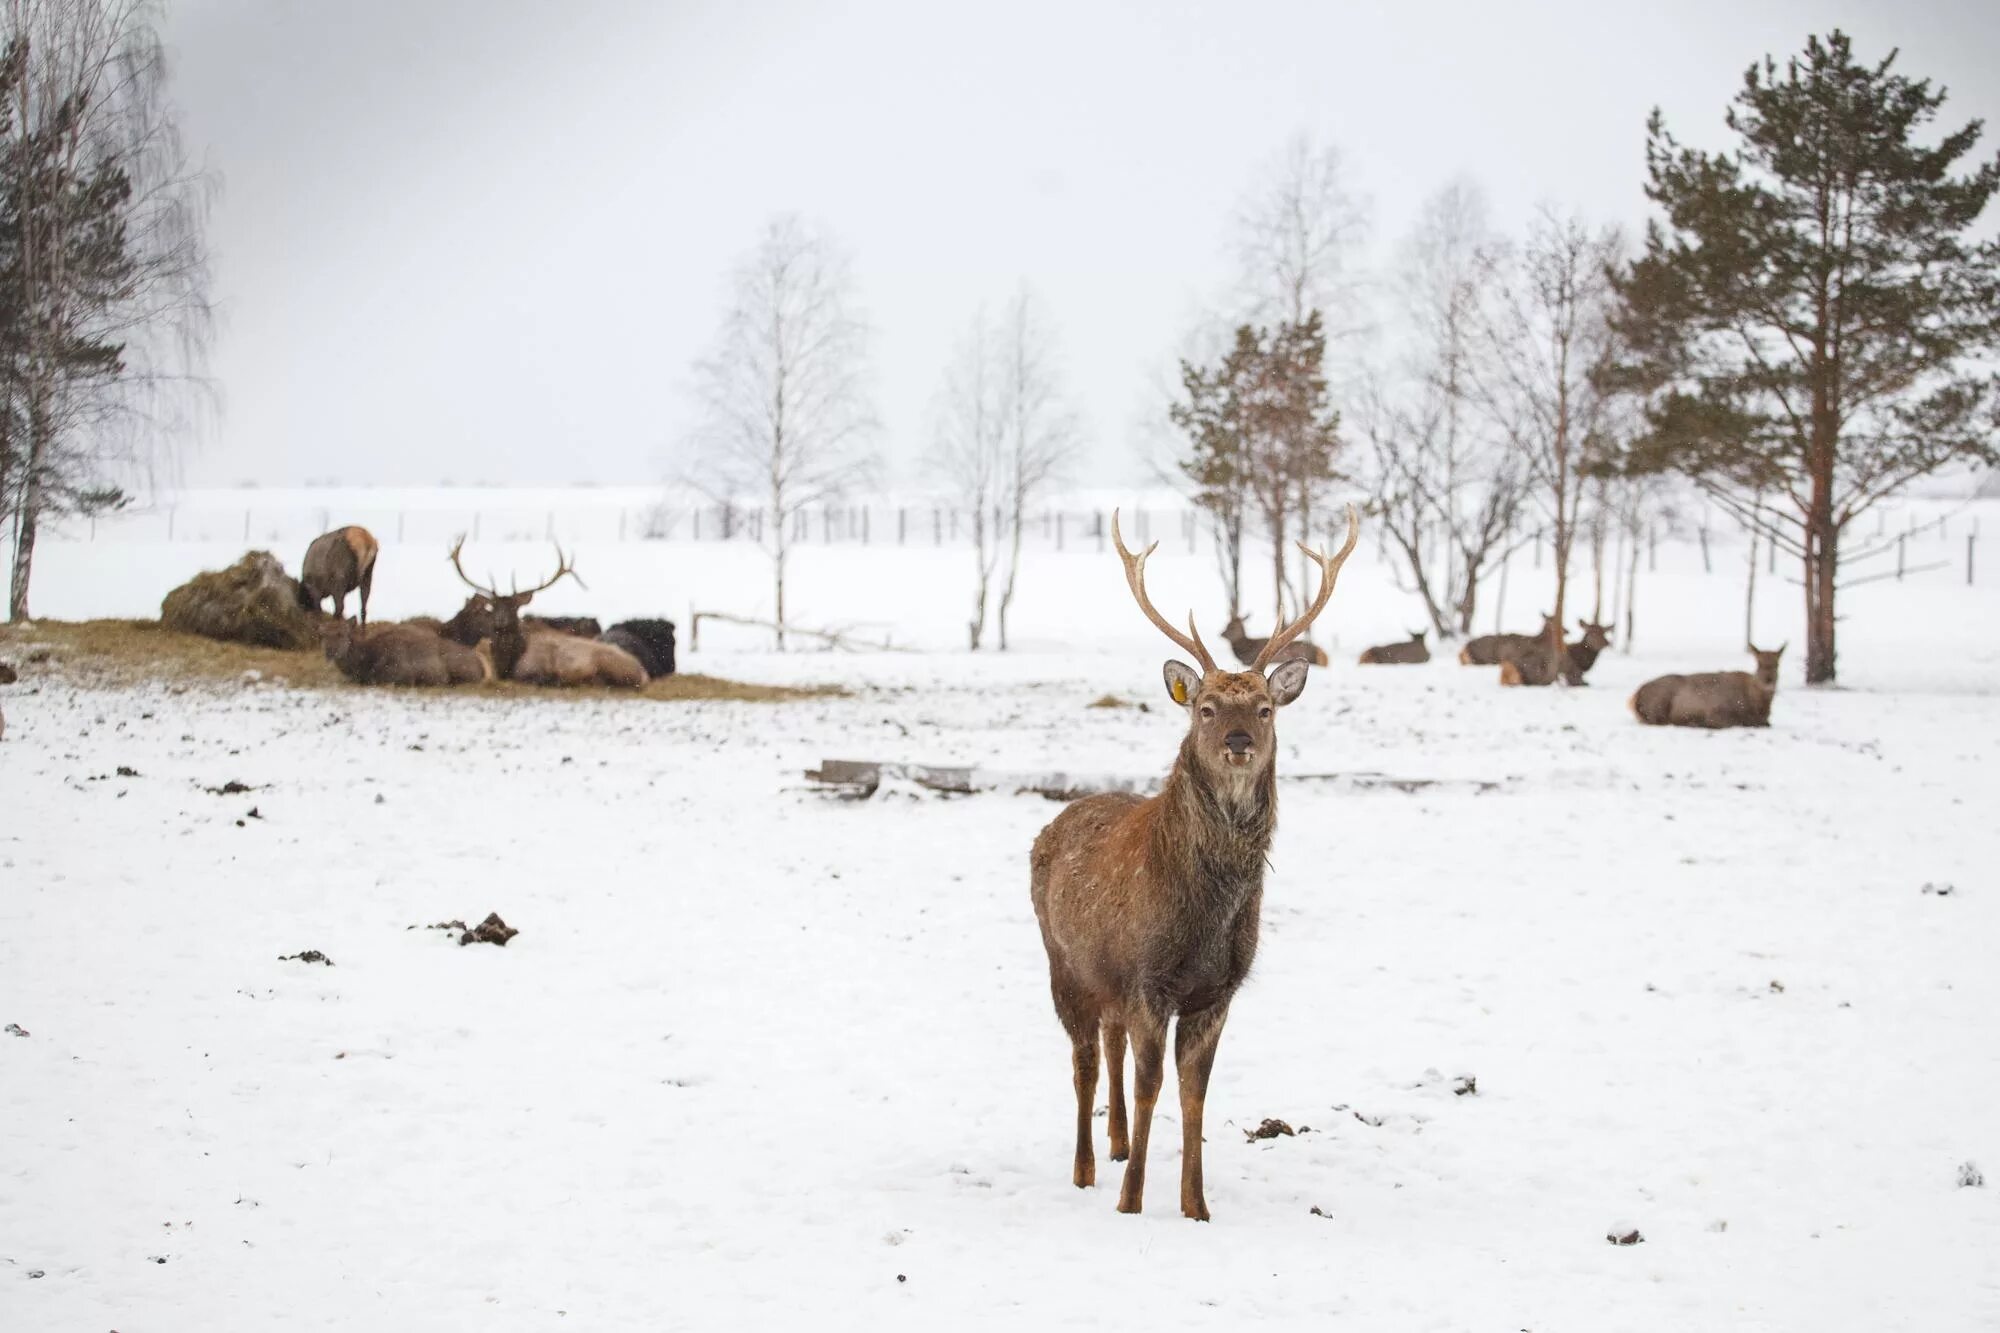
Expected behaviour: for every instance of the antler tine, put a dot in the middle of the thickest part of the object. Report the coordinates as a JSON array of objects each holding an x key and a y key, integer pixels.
[
  {"x": 1135, "y": 578},
  {"x": 1329, "y": 570},
  {"x": 563, "y": 566},
  {"x": 457, "y": 548}
]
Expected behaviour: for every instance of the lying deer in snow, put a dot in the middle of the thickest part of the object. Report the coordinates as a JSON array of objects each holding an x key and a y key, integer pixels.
[
  {"x": 401, "y": 655},
  {"x": 537, "y": 656},
  {"x": 1534, "y": 666},
  {"x": 1712, "y": 699},
  {"x": 1249, "y": 650},
  {"x": 1149, "y": 906},
  {"x": 1399, "y": 654},
  {"x": 1492, "y": 649}
]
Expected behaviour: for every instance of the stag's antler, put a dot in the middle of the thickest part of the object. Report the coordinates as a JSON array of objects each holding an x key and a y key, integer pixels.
[
  {"x": 1329, "y": 570},
  {"x": 563, "y": 567},
  {"x": 1135, "y": 575}
]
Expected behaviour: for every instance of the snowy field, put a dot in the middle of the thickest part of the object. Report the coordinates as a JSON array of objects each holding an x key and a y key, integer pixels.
[{"x": 759, "y": 1057}]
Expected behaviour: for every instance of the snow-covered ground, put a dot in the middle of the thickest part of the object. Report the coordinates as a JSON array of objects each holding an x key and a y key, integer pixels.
[{"x": 759, "y": 1057}]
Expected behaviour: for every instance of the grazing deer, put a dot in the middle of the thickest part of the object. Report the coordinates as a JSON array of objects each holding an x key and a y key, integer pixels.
[
  {"x": 1712, "y": 699},
  {"x": 1149, "y": 907},
  {"x": 401, "y": 655},
  {"x": 1493, "y": 649},
  {"x": 531, "y": 655},
  {"x": 1413, "y": 653},
  {"x": 1250, "y": 650},
  {"x": 336, "y": 564}
]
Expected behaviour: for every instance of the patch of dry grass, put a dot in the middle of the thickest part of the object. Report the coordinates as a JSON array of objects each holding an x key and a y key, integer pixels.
[{"x": 128, "y": 652}]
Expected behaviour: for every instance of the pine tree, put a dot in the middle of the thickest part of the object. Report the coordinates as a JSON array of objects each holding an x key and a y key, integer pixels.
[{"x": 1809, "y": 315}]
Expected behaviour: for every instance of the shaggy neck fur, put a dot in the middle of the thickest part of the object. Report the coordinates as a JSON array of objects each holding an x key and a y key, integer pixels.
[{"x": 1214, "y": 833}]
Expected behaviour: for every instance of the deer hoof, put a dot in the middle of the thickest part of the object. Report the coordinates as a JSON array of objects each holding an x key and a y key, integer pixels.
[
  {"x": 1198, "y": 1213},
  {"x": 1085, "y": 1175}
]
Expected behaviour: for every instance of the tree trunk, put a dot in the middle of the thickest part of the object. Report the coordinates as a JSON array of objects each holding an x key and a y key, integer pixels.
[
  {"x": 1822, "y": 558},
  {"x": 778, "y": 576},
  {"x": 976, "y": 627},
  {"x": 1013, "y": 568},
  {"x": 26, "y": 520},
  {"x": 1631, "y": 590},
  {"x": 1470, "y": 601}
]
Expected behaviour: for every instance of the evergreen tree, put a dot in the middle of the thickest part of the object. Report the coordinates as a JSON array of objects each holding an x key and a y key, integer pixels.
[{"x": 1810, "y": 313}]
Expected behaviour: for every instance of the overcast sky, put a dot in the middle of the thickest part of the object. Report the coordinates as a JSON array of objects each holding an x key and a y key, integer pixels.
[{"x": 483, "y": 240}]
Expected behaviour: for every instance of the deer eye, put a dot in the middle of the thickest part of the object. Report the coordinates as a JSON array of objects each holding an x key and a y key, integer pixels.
[
  {"x": 1208, "y": 712},
  {"x": 1264, "y": 712}
]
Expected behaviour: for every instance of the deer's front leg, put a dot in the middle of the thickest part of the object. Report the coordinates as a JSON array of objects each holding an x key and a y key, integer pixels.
[
  {"x": 1149, "y": 1049},
  {"x": 1114, "y": 1065},
  {"x": 1195, "y": 1038}
]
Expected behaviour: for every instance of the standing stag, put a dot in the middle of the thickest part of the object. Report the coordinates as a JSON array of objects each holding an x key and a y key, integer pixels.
[
  {"x": 1149, "y": 907},
  {"x": 532, "y": 655},
  {"x": 1413, "y": 653},
  {"x": 336, "y": 564},
  {"x": 1249, "y": 650},
  {"x": 1712, "y": 699}
]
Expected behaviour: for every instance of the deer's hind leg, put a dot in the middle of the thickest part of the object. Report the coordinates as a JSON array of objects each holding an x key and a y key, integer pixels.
[
  {"x": 1114, "y": 1067},
  {"x": 1079, "y": 1019},
  {"x": 1149, "y": 1042}
]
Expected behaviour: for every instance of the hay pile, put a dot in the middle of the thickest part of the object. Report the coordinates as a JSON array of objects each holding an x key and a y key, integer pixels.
[{"x": 253, "y": 601}]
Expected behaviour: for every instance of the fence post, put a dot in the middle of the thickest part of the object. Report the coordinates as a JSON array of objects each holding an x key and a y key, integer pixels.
[
  {"x": 1970, "y": 538},
  {"x": 1706, "y": 567},
  {"x": 1100, "y": 529},
  {"x": 1652, "y": 549},
  {"x": 1538, "y": 548},
  {"x": 1899, "y": 556},
  {"x": 1772, "y": 564}
]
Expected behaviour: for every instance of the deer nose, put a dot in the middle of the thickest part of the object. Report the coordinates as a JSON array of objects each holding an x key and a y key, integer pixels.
[{"x": 1237, "y": 741}]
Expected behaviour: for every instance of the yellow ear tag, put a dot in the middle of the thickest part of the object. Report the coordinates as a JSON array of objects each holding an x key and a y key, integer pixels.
[{"x": 1180, "y": 691}]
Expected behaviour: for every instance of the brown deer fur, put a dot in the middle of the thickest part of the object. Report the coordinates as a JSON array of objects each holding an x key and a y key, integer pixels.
[
  {"x": 1149, "y": 907},
  {"x": 401, "y": 655},
  {"x": 1533, "y": 665},
  {"x": 1413, "y": 653},
  {"x": 337, "y": 563},
  {"x": 1492, "y": 649},
  {"x": 1712, "y": 699},
  {"x": 1247, "y": 648},
  {"x": 522, "y": 651}
]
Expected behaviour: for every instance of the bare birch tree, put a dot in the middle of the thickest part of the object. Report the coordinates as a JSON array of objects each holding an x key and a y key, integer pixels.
[
  {"x": 1548, "y": 335},
  {"x": 788, "y": 421},
  {"x": 103, "y": 267},
  {"x": 969, "y": 450},
  {"x": 1040, "y": 429}
]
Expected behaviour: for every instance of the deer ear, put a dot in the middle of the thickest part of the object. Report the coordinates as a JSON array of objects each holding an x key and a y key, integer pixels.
[
  {"x": 1287, "y": 681},
  {"x": 1183, "y": 682}
]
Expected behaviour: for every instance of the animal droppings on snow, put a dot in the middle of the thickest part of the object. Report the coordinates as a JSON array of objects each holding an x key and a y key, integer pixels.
[
  {"x": 1777, "y": 987},
  {"x": 229, "y": 788},
  {"x": 1624, "y": 1235},
  {"x": 440, "y": 925},
  {"x": 490, "y": 931},
  {"x": 1939, "y": 890},
  {"x": 306, "y": 956},
  {"x": 1970, "y": 1176},
  {"x": 380, "y": 799},
  {"x": 1465, "y": 1085},
  {"x": 127, "y": 771},
  {"x": 15, "y": 1029},
  {"x": 1270, "y": 1129}
]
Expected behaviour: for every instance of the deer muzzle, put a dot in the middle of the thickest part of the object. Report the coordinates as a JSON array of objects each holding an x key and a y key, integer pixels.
[{"x": 1238, "y": 744}]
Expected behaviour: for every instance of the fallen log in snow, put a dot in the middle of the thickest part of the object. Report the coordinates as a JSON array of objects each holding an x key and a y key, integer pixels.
[{"x": 859, "y": 779}]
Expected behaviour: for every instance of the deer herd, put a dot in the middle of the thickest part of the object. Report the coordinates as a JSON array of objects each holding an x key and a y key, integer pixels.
[{"x": 488, "y": 638}]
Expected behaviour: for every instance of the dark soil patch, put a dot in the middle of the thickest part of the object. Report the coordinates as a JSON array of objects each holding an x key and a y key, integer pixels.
[
  {"x": 1270, "y": 1129},
  {"x": 307, "y": 956},
  {"x": 490, "y": 931}
]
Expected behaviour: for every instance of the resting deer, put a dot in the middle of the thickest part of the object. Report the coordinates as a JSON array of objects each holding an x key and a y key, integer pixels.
[
  {"x": 1250, "y": 650},
  {"x": 336, "y": 564},
  {"x": 1492, "y": 649},
  {"x": 1535, "y": 666},
  {"x": 1413, "y": 653},
  {"x": 401, "y": 655},
  {"x": 1713, "y": 699},
  {"x": 534, "y": 656},
  {"x": 1149, "y": 907}
]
